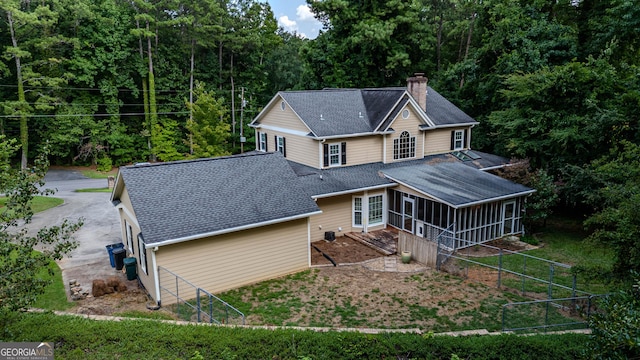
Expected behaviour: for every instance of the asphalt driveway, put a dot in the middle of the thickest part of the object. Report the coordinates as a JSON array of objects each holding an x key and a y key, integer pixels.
[{"x": 101, "y": 225}]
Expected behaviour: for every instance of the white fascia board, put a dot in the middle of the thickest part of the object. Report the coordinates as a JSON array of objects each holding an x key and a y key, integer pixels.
[
  {"x": 230, "y": 230},
  {"x": 377, "y": 187},
  {"x": 268, "y": 107},
  {"x": 345, "y": 136},
  {"x": 421, "y": 114},
  {"x": 283, "y": 130},
  {"x": 445, "y": 126}
]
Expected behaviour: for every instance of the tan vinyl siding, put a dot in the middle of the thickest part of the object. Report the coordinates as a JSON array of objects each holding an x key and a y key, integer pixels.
[
  {"x": 286, "y": 119},
  {"x": 336, "y": 213},
  {"x": 410, "y": 124},
  {"x": 232, "y": 260},
  {"x": 128, "y": 217},
  {"x": 439, "y": 141},
  {"x": 361, "y": 150},
  {"x": 300, "y": 149}
]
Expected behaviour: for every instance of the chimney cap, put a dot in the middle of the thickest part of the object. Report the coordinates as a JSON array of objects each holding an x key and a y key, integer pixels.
[{"x": 418, "y": 74}]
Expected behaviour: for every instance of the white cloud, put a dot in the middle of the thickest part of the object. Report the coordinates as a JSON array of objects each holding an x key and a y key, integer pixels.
[
  {"x": 288, "y": 24},
  {"x": 303, "y": 12}
]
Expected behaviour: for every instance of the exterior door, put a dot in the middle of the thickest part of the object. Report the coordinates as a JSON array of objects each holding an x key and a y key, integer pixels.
[
  {"x": 509, "y": 211},
  {"x": 408, "y": 206}
]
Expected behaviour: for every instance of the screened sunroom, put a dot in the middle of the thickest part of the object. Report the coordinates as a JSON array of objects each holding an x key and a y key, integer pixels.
[{"x": 471, "y": 205}]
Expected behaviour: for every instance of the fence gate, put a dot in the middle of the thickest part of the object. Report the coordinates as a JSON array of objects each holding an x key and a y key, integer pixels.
[{"x": 192, "y": 303}]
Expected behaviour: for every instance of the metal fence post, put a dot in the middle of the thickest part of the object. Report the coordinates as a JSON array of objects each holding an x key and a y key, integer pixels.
[
  {"x": 500, "y": 269},
  {"x": 177, "y": 297},
  {"x": 524, "y": 272},
  {"x": 551, "y": 271},
  {"x": 198, "y": 303}
]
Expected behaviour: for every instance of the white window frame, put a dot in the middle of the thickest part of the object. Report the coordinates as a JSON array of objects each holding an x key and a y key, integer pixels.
[
  {"x": 458, "y": 143},
  {"x": 404, "y": 146},
  {"x": 335, "y": 154},
  {"x": 280, "y": 144},
  {"x": 370, "y": 211},
  {"x": 262, "y": 141},
  {"x": 357, "y": 210},
  {"x": 365, "y": 211},
  {"x": 142, "y": 255},
  {"x": 129, "y": 231}
]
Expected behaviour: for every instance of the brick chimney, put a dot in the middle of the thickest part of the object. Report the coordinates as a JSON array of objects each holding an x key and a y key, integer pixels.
[{"x": 417, "y": 87}]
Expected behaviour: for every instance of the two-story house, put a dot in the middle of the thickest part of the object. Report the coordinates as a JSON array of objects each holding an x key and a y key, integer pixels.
[
  {"x": 335, "y": 160},
  {"x": 391, "y": 156}
]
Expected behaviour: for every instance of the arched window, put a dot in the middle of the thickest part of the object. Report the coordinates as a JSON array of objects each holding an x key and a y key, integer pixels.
[{"x": 404, "y": 146}]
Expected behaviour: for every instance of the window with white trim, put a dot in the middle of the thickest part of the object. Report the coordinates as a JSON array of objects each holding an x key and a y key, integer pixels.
[
  {"x": 357, "y": 211},
  {"x": 375, "y": 210},
  {"x": 370, "y": 208},
  {"x": 458, "y": 139},
  {"x": 129, "y": 236},
  {"x": 143, "y": 254},
  {"x": 281, "y": 145},
  {"x": 334, "y": 154},
  {"x": 262, "y": 141},
  {"x": 404, "y": 147}
]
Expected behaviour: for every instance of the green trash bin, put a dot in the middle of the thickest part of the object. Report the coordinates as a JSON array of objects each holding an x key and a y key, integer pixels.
[{"x": 130, "y": 267}]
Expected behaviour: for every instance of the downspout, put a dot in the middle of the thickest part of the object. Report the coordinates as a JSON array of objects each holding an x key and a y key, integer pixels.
[
  {"x": 156, "y": 276},
  {"x": 384, "y": 148},
  {"x": 309, "y": 240}
]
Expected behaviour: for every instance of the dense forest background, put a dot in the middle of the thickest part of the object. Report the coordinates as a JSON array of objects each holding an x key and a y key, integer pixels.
[{"x": 111, "y": 82}]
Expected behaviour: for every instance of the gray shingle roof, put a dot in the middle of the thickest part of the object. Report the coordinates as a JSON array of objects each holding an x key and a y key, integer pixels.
[
  {"x": 187, "y": 198},
  {"x": 319, "y": 183},
  {"x": 456, "y": 184},
  {"x": 336, "y": 112},
  {"x": 443, "y": 112}
]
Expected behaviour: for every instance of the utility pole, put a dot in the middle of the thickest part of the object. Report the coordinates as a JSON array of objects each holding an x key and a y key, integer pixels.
[{"x": 243, "y": 103}]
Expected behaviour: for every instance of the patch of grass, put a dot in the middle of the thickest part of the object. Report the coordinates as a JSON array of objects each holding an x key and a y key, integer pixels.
[
  {"x": 136, "y": 314},
  {"x": 106, "y": 189},
  {"x": 54, "y": 296},
  {"x": 39, "y": 203},
  {"x": 563, "y": 242},
  {"x": 95, "y": 174}
]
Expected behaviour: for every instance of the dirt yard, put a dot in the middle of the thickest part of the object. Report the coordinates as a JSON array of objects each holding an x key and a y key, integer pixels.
[{"x": 358, "y": 295}]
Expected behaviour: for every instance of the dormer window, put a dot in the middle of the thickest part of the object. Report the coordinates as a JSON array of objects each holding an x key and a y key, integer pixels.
[
  {"x": 404, "y": 147},
  {"x": 335, "y": 154},
  {"x": 262, "y": 141},
  {"x": 457, "y": 140}
]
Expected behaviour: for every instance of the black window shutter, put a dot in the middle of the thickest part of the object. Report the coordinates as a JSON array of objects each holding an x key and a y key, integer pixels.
[
  {"x": 453, "y": 140},
  {"x": 466, "y": 138},
  {"x": 284, "y": 147},
  {"x": 325, "y": 149},
  {"x": 266, "y": 144},
  {"x": 258, "y": 141},
  {"x": 275, "y": 142},
  {"x": 344, "y": 153}
]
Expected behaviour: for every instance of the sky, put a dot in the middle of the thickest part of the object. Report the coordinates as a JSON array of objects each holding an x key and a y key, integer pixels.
[{"x": 294, "y": 15}]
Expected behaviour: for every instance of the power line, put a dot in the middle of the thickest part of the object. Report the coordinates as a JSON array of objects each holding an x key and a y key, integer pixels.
[
  {"x": 93, "y": 115},
  {"x": 85, "y": 89}
]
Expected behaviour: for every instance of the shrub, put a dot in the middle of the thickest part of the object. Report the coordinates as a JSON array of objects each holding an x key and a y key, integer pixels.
[{"x": 104, "y": 164}]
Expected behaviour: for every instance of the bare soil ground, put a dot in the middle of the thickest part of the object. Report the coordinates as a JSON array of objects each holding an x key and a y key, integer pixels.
[{"x": 359, "y": 295}]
